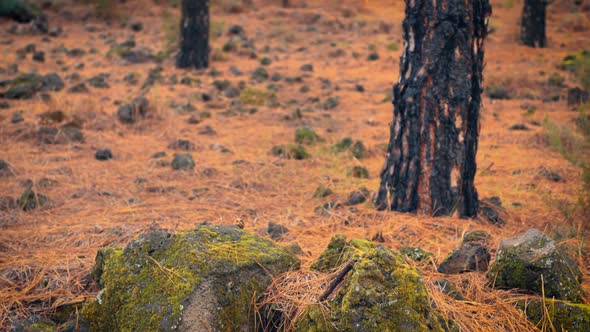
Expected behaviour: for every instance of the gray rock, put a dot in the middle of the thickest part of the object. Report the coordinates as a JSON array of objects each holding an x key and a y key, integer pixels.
[
  {"x": 534, "y": 262},
  {"x": 467, "y": 258},
  {"x": 183, "y": 162}
]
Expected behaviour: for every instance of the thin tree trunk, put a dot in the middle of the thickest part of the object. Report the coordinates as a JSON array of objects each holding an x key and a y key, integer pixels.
[
  {"x": 532, "y": 26},
  {"x": 194, "y": 35},
  {"x": 430, "y": 165}
]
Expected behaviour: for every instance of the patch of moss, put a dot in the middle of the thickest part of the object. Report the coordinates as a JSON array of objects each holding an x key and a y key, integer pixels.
[
  {"x": 147, "y": 285},
  {"x": 256, "y": 97},
  {"x": 290, "y": 151},
  {"x": 564, "y": 316},
  {"x": 382, "y": 292},
  {"x": 306, "y": 135},
  {"x": 415, "y": 253}
]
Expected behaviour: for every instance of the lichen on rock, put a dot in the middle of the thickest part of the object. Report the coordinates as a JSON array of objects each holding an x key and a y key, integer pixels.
[
  {"x": 160, "y": 281},
  {"x": 564, "y": 316},
  {"x": 534, "y": 262},
  {"x": 381, "y": 292}
]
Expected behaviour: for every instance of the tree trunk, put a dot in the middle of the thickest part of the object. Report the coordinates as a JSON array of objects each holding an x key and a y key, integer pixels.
[
  {"x": 532, "y": 25},
  {"x": 430, "y": 165},
  {"x": 194, "y": 35}
]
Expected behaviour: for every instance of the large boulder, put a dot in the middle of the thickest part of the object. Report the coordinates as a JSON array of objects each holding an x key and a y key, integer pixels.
[
  {"x": 18, "y": 10},
  {"x": 379, "y": 292},
  {"x": 534, "y": 262},
  {"x": 198, "y": 280}
]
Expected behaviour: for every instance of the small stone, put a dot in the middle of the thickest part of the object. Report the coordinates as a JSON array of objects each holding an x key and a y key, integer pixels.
[
  {"x": 103, "y": 154},
  {"x": 17, "y": 117},
  {"x": 373, "y": 57},
  {"x": 519, "y": 126},
  {"x": 467, "y": 258},
  {"x": 207, "y": 131},
  {"x": 358, "y": 196},
  {"x": 39, "y": 56},
  {"x": 193, "y": 120},
  {"x": 477, "y": 238},
  {"x": 265, "y": 61},
  {"x": 322, "y": 191},
  {"x": 360, "y": 172},
  {"x": 5, "y": 169},
  {"x": 98, "y": 81},
  {"x": 276, "y": 231},
  {"x": 260, "y": 75},
  {"x": 182, "y": 144},
  {"x": 183, "y": 162},
  {"x": 359, "y": 88},
  {"x": 306, "y": 67},
  {"x": 414, "y": 253},
  {"x": 78, "y": 88},
  {"x": 331, "y": 103},
  {"x": 160, "y": 154},
  {"x": 236, "y": 30},
  {"x": 136, "y": 26}
]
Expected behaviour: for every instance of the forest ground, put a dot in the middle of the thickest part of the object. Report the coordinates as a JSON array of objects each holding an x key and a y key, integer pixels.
[{"x": 46, "y": 253}]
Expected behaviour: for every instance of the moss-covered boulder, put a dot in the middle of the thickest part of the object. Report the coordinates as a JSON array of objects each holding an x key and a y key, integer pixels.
[
  {"x": 564, "y": 316},
  {"x": 34, "y": 323},
  {"x": 26, "y": 86},
  {"x": 198, "y": 280},
  {"x": 534, "y": 261},
  {"x": 380, "y": 292}
]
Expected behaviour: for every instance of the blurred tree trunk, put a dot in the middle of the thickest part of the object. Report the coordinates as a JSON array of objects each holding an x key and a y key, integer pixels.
[
  {"x": 194, "y": 35},
  {"x": 285, "y": 3},
  {"x": 430, "y": 165},
  {"x": 532, "y": 25}
]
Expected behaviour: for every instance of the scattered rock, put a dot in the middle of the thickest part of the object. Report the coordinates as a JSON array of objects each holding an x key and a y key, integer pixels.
[
  {"x": 260, "y": 75},
  {"x": 359, "y": 150},
  {"x": 182, "y": 144},
  {"x": 276, "y": 231},
  {"x": 491, "y": 212},
  {"x": 99, "y": 81},
  {"x": 306, "y": 67},
  {"x": 551, "y": 175},
  {"x": 519, "y": 126},
  {"x": 26, "y": 86},
  {"x": 331, "y": 103},
  {"x": 236, "y": 30},
  {"x": 78, "y": 88},
  {"x": 39, "y": 56},
  {"x": 30, "y": 200},
  {"x": 207, "y": 131},
  {"x": 6, "y": 169},
  {"x": 449, "y": 288},
  {"x": 373, "y": 56},
  {"x": 360, "y": 172},
  {"x": 577, "y": 96},
  {"x": 415, "y": 253},
  {"x": 477, "y": 238},
  {"x": 497, "y": 92},
  {"x": 467, "y": 258},
  {"x": 103, "y": 154},
  {"x": 131, "y": 113},
  {"x": 290, "y": 151},
  {"x": 184, "y": 281},
  {"x": 534, "y": 262},
  {"x": 160, "y": 154},
  {"x": 322, "y": 191},
  {"x": 136, "y": 26},
  {"x": 17, "y": 117},
  {"x": 358, "y": 196},
  {"x": 7, "y": 203},
  {"x": 34, "y": 323},
  {"x": 183, "y": 162}
]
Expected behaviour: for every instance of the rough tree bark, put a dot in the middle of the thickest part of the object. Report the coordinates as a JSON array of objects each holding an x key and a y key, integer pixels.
[
  {"x": 194, "y": 35},
  {"x": 532, "y": 25},
  {"x": 430, "y": 165}
]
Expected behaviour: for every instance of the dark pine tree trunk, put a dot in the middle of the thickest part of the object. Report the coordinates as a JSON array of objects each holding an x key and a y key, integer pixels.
[
  {"x": 194, "y": 35},
  {"x": 430, "y": 165},
  {"x": 532, "y": 25}
]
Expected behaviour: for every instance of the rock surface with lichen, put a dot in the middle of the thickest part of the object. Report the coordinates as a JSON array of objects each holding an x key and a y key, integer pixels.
[
  {"x": 561, "y": 315},
  {"x": 381, "y": 292},
  {"x": 535, "y": 263},
  {"x": 198, "y": 280}
]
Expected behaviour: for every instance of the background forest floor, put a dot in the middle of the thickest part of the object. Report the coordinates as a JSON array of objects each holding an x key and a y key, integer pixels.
[{"x": 354, "y": 49}]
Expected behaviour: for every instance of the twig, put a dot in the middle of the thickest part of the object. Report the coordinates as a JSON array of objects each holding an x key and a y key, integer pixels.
[{"x": 337, "y": 280}]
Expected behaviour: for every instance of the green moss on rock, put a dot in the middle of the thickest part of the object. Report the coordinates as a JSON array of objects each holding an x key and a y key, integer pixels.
[
  {"x": 382, "y": 292},
  {"x": 564, "y": 316},
  {"x": 534, "y": 262},
  {"x": 161, "y": 281}
]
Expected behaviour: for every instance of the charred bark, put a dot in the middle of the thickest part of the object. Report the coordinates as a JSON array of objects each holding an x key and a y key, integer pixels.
[
  {"x": 430, "y": 165},
  {"x": 532, "y": 25},
  {"x": 194, "y": 35}
]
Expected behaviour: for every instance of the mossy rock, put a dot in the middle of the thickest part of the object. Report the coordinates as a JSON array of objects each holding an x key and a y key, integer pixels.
[
  {"x": 34, "y": 323},
  {"x": 416, "y": 254},
  {"x": 382, "y": 292},
  {"x": 564, "y": 316},
  {"x": 198, "y": 280},
  {"x": 27, "y": 85},
  {"x": 532, "y": 262},
  {"x": 290, "y": 151}
]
